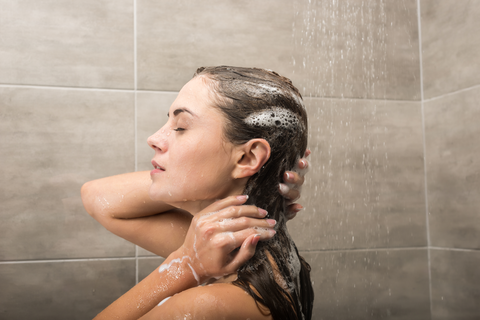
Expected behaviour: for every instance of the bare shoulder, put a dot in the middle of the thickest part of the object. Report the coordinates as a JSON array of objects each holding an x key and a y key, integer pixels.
[{"x": 215, "y": 301}]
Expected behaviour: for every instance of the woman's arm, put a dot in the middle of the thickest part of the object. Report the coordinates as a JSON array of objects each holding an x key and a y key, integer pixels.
[
  {"x": 122, "y": 205},
  {"x": 123, "y": 196},
  {"x": 209, "y": 251}
]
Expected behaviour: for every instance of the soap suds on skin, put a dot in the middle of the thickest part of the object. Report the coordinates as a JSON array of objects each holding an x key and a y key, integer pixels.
[
  {"x": 163, "y": 301},
  {"x": 165, "y": 267}
]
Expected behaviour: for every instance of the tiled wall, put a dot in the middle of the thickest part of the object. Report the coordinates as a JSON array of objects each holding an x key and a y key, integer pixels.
[
  {"x": 388, "y": 235},
  {"x": 451, "y": 73}
]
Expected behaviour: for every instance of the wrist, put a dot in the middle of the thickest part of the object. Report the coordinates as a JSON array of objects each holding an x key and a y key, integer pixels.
[{"x": 179, "y": 266}]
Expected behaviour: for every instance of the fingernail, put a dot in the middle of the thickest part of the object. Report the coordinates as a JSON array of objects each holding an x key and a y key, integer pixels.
[
  {"x": 255, "y": 239},
  {"x": 298, "y": 208},
  {"x": 289, "y": 175},
  {"x": 304, "y": 163},
  {"x": 283, "y": 188},
  {"x": 262, "y": 212},
  {"x": 271, "y": 222},
  {"x": 243, "y": 197}
]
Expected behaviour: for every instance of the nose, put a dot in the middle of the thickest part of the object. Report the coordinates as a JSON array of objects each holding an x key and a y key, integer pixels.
[{"x": 158, "y": 140}]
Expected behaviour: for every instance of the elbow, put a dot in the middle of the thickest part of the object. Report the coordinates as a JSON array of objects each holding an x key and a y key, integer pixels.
[{"x": 89, "y": 199}]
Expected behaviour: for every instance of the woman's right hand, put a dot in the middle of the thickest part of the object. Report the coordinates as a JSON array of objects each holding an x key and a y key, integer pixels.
[{"x": 217, "y": 231}]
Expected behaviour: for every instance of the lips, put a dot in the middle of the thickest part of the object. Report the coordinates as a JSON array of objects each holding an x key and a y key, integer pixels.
[{"x": 158, "y": 168}]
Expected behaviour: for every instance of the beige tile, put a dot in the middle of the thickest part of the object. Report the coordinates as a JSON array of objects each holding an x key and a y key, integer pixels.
[
  {"x": 67, "y": 43},
  {"x": 152, "y": 110},
  {"x": 453, "y": 169},
  {"x": 370, "y": 284},
  {"x": 365, "y": 187},
  {"x": 357, "y": 49},
  {"x": 52, "y": 142},
  {"x": 147, "y": 266},
  {"x": 450, "y": 46},
  {"x": 175, "y": 38},
  {"x": 62, "y": 290},
  {"x": 455, "y": 290}
]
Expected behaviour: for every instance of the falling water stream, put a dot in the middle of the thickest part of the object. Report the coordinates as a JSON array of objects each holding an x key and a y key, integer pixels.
[
  {"x": 340, "y": 51},
  {"x": 341, "y": 57}
]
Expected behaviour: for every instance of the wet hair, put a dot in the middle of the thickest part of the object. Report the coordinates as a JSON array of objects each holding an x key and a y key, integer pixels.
[{"x": 259, "y": 103}]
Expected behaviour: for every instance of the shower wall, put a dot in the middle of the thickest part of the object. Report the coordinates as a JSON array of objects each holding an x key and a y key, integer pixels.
[{"x": 391, "y": 220}]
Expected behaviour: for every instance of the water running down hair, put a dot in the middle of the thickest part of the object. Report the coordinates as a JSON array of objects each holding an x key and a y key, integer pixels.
[{"x": 258, "y": 103}]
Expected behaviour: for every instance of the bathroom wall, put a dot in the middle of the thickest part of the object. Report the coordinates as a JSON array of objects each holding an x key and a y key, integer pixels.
[
  {"x": 451, "y": 102},
  {"x": 392, "y": 88}
]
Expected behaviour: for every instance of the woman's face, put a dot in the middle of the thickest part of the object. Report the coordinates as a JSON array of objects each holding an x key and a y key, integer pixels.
[{"x": 192, "y": 161}]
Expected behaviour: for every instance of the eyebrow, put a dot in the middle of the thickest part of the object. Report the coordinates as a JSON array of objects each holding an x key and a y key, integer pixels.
[{"x": 180, "y": 110}]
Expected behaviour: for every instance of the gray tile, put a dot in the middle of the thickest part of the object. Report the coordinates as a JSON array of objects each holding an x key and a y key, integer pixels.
[
  {"x": 147, "y": 266},
  {"x": 175, "y": 38},
  {"x": 450, "y": 46},
  {"x": 52, "y": 142},
  {"x": 370, "y": 284},
  {"x": 62, "y": 290},
  {"x": 357, "y": 49},
  {"x": 455, "y": 284},
  {"x": 365, "y": 187},
  {"x": 75, "y": 43},
  {"x": 453, "y": 169},
  {"x": 152, "y": 110},
  {"x": 145, "y": 253}
]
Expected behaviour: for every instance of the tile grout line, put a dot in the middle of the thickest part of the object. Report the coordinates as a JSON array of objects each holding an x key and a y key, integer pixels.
[
  {"x": 136, "y": 111},
  {"x": 388, "y": 249},
  {"x": 20, "y": 86},
  {"x": 301, "y": 251},
  {"x": 133, "y": 90},
  {"x": 452, "y": 93},
  {"x": 47, "y": 87},
  {"x": 422, "y": 107},
  {"x": 66, "y": 260},
  {"x": 363, "y": 249}
]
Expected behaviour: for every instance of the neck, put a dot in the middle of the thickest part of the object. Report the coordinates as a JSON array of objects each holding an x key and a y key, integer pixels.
[{"x": 195, "y": 206}]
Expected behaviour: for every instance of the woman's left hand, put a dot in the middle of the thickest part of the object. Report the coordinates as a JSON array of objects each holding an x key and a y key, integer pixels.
[
  {"x": 292, "y": 184},
  {"x": 217, "y": 231}
]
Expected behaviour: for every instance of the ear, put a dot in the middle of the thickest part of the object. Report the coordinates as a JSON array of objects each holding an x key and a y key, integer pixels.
[{"x": 251, "y": 157}]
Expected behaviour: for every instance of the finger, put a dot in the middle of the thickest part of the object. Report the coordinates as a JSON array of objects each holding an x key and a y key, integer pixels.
[
  {"x": 224, "y": 203},
  {"x": 241, "y": 211},
  {"x": 230, "y": 241},
  {"x": 292, "y": 210},
  {"x": 245, "y": 253},
  {"x": 242, "y": 235},
  {"x": 289, "y": 193},
  {"x": 290, "y": 215},
  {"x": 242, "y": 223},
  {"x": 303, "y": 164},
  {"x": 249, "y": 243},
  {"x": 293, "y": 178},
  {"x": 307, "y": 152}
]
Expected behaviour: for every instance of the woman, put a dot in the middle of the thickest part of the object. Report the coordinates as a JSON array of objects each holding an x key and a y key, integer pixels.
[{"x": 225, "y": 139}]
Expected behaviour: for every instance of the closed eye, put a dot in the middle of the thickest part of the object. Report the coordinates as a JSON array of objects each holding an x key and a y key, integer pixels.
[{"x": 179, "y": 129}]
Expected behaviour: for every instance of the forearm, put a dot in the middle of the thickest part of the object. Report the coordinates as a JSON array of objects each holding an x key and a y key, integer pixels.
[
  {"x": 122, "y": 196},
  {"x": 122, "y": 205},
  {"x": 175, "y": 277}
]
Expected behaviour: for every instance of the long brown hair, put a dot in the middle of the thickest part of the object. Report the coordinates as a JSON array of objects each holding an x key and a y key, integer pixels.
[{"x": 259, "y": 103}]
